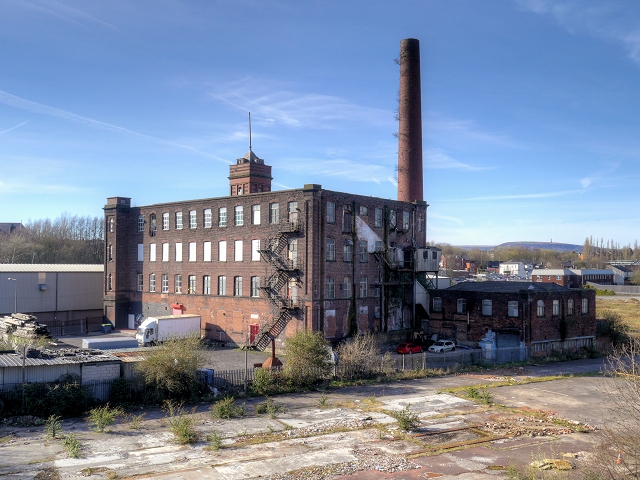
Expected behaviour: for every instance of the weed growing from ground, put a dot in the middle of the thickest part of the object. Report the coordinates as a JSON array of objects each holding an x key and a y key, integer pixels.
[
  {"x": 270, "y": 407},
  {"x": 226, "y": 408},
  {"x": 407, "y": 420},
  {"x": 72, "y": 445},
  {"x": 102, "y": 417},
  {"x": 479, "y": 395},
  {"x": 323, "y": 401},
  {"x": 52, "y": 426},
  {"x": 214, "y": 439},
  {"x": 135, "y": 421},
  {"x": 181, "y": 425}
]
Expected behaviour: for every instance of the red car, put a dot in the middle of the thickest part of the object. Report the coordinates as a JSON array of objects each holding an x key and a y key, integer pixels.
[{"x": 408, "y": 348}]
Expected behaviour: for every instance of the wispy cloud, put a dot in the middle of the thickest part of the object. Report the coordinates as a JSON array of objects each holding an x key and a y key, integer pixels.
[
  {"x": 526, "y": 196},
  {"x": 40, "y": 187},
  {"x": 64, "y": 12},
  {"x": 278, "y": 103},
  {"x": 28, "y": 105},
  {"x": 468, "y": 131},
  {"x": 617, "y": 21},
  {"x": 434, "y": 158},
  {"x": 447, "y": 218},
  {"x": 344, "y": 169},
  {"x": 13, "y": 128}
]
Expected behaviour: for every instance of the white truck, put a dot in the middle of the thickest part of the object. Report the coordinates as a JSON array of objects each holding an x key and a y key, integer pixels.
[{"x": 158, "y": 329}]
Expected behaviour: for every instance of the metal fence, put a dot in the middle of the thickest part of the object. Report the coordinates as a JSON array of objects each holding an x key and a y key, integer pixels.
[{"x": 79, "y": 326}]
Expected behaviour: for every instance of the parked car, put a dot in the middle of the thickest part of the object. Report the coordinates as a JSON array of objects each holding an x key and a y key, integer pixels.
[
  {"x": 442, "y": 346},
  {"x": 408, "y": 348}
]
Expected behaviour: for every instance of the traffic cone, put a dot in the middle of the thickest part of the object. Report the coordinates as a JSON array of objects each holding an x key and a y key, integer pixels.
[{"x": 619, "y": 460}]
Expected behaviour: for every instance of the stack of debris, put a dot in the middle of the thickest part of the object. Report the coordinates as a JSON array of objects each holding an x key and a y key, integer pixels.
[{"x": 24, "y": 326}]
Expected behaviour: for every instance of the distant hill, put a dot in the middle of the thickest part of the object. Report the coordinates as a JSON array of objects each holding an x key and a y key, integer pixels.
[{"x": 560, "y": 247}]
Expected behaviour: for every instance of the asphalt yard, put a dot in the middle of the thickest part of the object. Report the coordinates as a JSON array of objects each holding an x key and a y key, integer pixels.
[{"x": 343, "y": 433}]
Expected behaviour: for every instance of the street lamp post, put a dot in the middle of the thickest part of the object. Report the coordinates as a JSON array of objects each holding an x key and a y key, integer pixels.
[{"x": 15, "y": 294}]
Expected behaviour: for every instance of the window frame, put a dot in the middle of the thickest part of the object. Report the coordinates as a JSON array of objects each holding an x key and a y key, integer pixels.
[
  {"x": 346, "y": 287},
  {"x": 206, "y": 284},
  {"x": 222, "y": 285},
  {"x": 191, "y": 288},
  {"x": 255, "y": 287},
  {"x": 274, "y": 212},
  {"x": 237, "y": 286},
  {"x": 540, "y": 308},
  {"x": 207, "y": 220},
  {"x": 330, "y": 249},
  {"x": 222, "y": 217},
  {"x": 193, "y": 219},
  {"x": 331, "y": 212},
  {"x": 363, "y": 287},
  {"x": 461, "y": 306},
  {"x": 152, "y": 283},
  {"x": 255, "y": 214},
  {"x": 164, "y": 283},
  {"x": 165, "y": 221},
  {"x": 511, "y": 310},
  {"x": 177, "y": 283},
  {"x": 436, "y": 305},
  {"x": 140, "y": 283},
  {"x": 330, "y": 288},
  {"x": 179, "y": 221},
  {"x": 487, "y": 307},
  {"x": 377, "y": 223}
]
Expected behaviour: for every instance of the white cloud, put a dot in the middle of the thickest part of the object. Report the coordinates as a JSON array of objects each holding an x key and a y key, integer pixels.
[
  {"x": 278, "y": 103},
  {"x": 468, "y": 131},
  {"x": 617, "y": 21},
  {"x": 13, "y": 128},
  {"x": 447, "y": 218},
  {"x": 64, "y": 12},
  {"x": 344, "y": 169},
  {"x": 434, "y": 158}
]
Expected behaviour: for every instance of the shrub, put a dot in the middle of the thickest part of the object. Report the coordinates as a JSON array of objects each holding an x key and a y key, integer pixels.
[
  {"x": 226, "y": 408},
  {"x": 135, "y": 421},
  {"x": 307, "y": 355},
  {"x": 618, "y": 329},
  {"x": 181, "y": 425},
  {"x": 481, "y": 395},
  {"x": 214, "y": 439},
  {"x": 102, "y": 417},
  {"x": 407, "y": 420},
  {"x": 361, "y": 356},
  {"x": 172, "y": 368},
  {"x": 270, "y": 407},
  {"x": 52, "y": 426},
  {"x": 72, "y": 445}
]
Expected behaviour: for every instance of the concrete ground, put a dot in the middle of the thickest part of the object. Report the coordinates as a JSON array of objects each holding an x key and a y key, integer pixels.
[{"x": 351, "y": 436}]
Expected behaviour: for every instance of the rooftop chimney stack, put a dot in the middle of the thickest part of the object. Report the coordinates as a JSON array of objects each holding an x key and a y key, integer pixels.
[{"x": 410, "y": 123}]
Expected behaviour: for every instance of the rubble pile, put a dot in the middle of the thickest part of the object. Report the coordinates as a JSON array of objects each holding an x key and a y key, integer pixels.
[
  {"x": 22, "y": 325},
  {"x": 543, "y": 424}
]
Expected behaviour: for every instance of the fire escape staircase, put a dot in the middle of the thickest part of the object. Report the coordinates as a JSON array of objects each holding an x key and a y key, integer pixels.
[{"x": 285, "y": 269}]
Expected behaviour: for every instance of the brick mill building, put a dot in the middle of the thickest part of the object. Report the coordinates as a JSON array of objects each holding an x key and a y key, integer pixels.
[
  {"x": 544, "y": 316},
  {"x": 262, "y": 265}
]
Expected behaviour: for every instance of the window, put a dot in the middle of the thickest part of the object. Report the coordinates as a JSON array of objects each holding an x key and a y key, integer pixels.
[
  {"x": 109, "y": 283},
  {"x": 165, "y": 221},
  {"x": 363, "y": 287},
  {"x": 363, "y": 211},
  {"x": 237, "y": 251},
  {"x": 378, "y": 246},
  {"x": 331, "y": 212},
  {"x": 206, "y": 252},
  {"x": 222, "y": 285},
  {"x": 178, "y": 220},
  {"x": 239, "y": 216},
  {"x": 111, "y": 224},
  {"x": 141, "y": 223},
  {"x": 255, "y": 214},
  {"x": 548, "y": 277},
  {"x": 165, "y": 252},
  {"x": 539, "y": 278},
  {"x": 207, "y": 218},
  {"x": 192, "y": 285},
  {"x": 585, "y": 305},
  {"x": 512, "y": 308},
  {"x": 222, "y": 251},
  {"x": 330, "y": 288},
  {"x": 206, "y": 285},
  {"x": 556, "y": 307},
  {"x": 152, "y": 225},
  {"x": 363, "y": 251},
  {"x": 292, "y": 210},
  {"x": 347, "y": 218},
  {"x": 152, "y": 282},
  {"x": 437, "y": 304},
  {"x": 570, "y": 306},
  {"x": 165, "y": 283},
  {"x": 192, "y": 251},
  {"x": 405, "y": 221},
  {"x": 346, "y": 287},
  {"x": 255, "y": 250},
  {"x": 392, "y": 219},
  {"x": 255, "y": 286},
  {"x": 140, "y": 282},
  {"x": 177, "y": 281},
  {"x": 378, "y": 218},
  {"x": 540, "y": 306},
  {"x": 110, "y": 252},
  {"x": 331, "y": 250},
  {"x": 193, "y": 219},
  {"x": 461, "y": 305},
  {"x": 558, "y": 277},
  {"x": 347, "y": 253},
  {"x": 487, "y": 307},
  {"x": 152, "y": 252},
  {"x": 376, "y": 289},
  {"x": 237, "y": 286},
  {"x": 178, "y": 251},
  {"x": 274, "y": 213},
  {"x": 222, "y": 217}
]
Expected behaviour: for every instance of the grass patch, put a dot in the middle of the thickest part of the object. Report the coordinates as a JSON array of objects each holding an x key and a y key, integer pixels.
[
  {"x": 226, "y": 408},
  {"x": 407, "y": 420},
  {"x": 478, "y": 395},
  {"x": 629, "y": 311}
]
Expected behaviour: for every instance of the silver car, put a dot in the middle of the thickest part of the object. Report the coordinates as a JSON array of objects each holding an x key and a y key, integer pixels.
[{"x": 442, "y": 346}]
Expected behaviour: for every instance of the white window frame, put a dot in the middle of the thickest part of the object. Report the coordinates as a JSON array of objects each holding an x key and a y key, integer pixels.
[
  {"x": 165, "y": 221},
  {"x": 152, "y": 252},
  {"x": 405, "y": 221},
  {"x": 238, "y": 215},
  {"x": 140, "y": 284},
  {"x": 152, "y": 282},
  {"x": 378, "y": 218},
  {"x": 255, "y": 214},
  {"x": 570, "y": 306},
  {"x": 331, "y": 212},
  {"x": 255, "y": 250},
  {"x": 178, "y": 251},
  {"x": 193, "y": 219},
  {"x": 179, "y": 224},
  {"x": 347, "y": 252},
  {"x": 437, "y": 304},
  {"x": 346, "y": 287},
  {"x": 207, "y": 218},
  {"x": 487, "y": 307},
  {"x": 141, "y": 223},
  {"x": 363, "y": 287},
  {"x": 164, "y": 286},
  {"x": 364, "y": 211},
  {"x": 556, "y": 308},
  {"x": 222, "y": 285},
  {"x": 274, "y": 212},
  {"x": 177, "y": 283},
  {"x": 461, "y": 306},
  {"x": 330, "y": 250},
  {"x": 585, "y": 305},
  {"x": 237, "y": 250},
  {"x": 222, "y": 251},
  {"x": 255, "y": 287},
  {"x": 192, "y": 252},
  {"x": 512, "y": 308},
  {"x": 363, "y": 251},
  {"x": 165, "y": 252},
  {"x": 192, "y": 285},
  {"x": 330, "y": 288},
  {"x": 540, "y": 308},
  {"x": 206, "y": 252},
  {"x": 206, "y": 285},
  {"x": 222, "y": 217},
  {"x": 237, "y": 286}
]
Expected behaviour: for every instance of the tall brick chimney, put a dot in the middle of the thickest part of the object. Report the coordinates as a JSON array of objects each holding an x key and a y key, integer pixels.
[{"x": 410, "y": 125}]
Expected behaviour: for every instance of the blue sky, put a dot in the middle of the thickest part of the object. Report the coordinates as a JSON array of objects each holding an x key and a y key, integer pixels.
[{"x": 531, "y": 108}]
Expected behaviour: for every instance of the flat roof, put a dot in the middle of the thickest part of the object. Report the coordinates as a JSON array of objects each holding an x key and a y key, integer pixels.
[
  {"x": 507, "y": 287},
  {"x": 50, "y": 268},
  {"x": 15, "y": 360}
]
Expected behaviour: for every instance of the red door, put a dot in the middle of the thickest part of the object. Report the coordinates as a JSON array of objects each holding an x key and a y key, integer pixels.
[{"x": 254, "y": 328}]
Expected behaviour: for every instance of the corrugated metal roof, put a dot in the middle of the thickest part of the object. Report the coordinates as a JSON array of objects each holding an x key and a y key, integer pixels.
[
  {"x": 48, "y": 267},
  {"x": 15, "y": 360}
]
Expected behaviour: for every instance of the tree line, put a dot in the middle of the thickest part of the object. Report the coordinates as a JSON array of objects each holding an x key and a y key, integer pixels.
[{"x": 66, "y": 239}]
